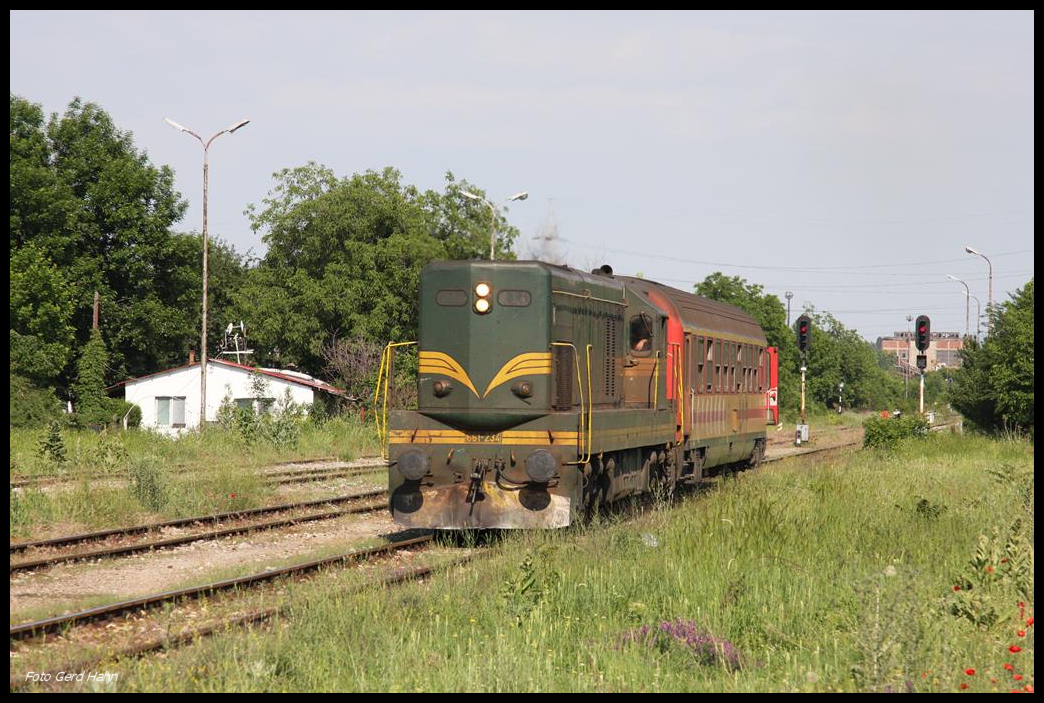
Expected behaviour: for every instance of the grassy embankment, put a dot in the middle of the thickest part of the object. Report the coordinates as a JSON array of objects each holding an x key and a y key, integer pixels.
[
  {"x": 870, "y": 571},
  {"x": 191, "y": 475}
]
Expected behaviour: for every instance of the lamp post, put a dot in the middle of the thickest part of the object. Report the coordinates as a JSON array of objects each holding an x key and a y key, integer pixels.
[
  {"x": 967, "y": 305},
  {"x": 906, "y": 370},
  {"x": 788, "y": 295},
  {"x": 978, "y": 318},
  {"x": 989, "y": 300},
  {"x": 203, "y": 333},
  {"x": 493, "y": 213}
]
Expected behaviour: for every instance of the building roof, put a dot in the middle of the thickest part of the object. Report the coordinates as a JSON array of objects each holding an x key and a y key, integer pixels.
[{"x": 288, "y": 376}]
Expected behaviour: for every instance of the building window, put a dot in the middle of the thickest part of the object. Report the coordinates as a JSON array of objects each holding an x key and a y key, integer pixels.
[
  {"x": 170, "y": 412},
  {"x": 256, "y": 405}
]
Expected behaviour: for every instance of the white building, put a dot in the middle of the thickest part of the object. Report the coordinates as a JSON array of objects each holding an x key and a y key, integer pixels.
[{"x": 169, "y": 400}]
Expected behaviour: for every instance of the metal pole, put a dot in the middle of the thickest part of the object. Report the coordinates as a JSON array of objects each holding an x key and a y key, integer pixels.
[
  {"x": 978, "y": 318},
  {"x": 921, "y": 404},
  {"x": 788, "y": 295},
  {"x": 906, "y": 370},
  {"x": 492, "y": 228},
  {"x": 203, "y": 331},
  {"x": 803, "y": 392},
  {"x": 989, "y": 302}
]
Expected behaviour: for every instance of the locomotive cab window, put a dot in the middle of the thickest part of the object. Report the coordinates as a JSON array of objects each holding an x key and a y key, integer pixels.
[
  {"x": 641, "y": 335},
  {"x": 451, "y": 298}
]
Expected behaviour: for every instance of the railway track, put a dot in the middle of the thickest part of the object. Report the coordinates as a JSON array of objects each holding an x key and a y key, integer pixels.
[
  {"x": 123, "y": 549},
  {"x": 62, "y": 623},
  {"x": 276, "y": 477}
]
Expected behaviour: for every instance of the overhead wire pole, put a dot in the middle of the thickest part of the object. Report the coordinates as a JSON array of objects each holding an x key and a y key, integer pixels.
[
  {"x": 493, "y": 214},
  {"x": 203, "y": 333}
]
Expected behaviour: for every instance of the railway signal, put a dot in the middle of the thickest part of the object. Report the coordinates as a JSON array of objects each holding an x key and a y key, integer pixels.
[
  {"x": 804, "y": 339},
  {"x": 924, "y": 333},
  {"x": 804, "y": 333},
  {"x": 922, "y": 338}
]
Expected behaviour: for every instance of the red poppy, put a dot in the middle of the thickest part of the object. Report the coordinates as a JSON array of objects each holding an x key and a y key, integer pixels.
[
  {"x": 970, "y": 672},
  {"x": 989, "y": 569},
  {"x": 232, "y": 496},
  {"x": 1028, "y": 688},
  {"x": 1004, "y": 560},
  {"x": 956, "y": 588},
  {"x": 1014, "y": 649},
  {"x": 993, "y": 680},
  {"x": 1009, "y": 667},
  {"x": 1017, "y": 677},
  {"x": 1029, "y": 622},
  {"x": 964, "y": 687},
  {"x": 1022, "y": 633}
]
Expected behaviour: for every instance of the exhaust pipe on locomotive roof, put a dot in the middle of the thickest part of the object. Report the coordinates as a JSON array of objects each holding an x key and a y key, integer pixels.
[{"x": 604, "y": 269}]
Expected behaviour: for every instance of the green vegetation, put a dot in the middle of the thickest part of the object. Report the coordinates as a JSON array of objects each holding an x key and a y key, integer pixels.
[
  {"x": 159, "y": 477},
  {"x": 888, "y": 433},
  {"x": 994, "y": 386},
  {"x": 871, "y": 572}
]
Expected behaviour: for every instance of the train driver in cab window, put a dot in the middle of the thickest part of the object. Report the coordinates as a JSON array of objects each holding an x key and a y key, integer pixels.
[{"x": 641, "y": 335}]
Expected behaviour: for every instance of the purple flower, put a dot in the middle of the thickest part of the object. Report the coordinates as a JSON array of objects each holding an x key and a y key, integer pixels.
[{"x": 707, "y": 649}]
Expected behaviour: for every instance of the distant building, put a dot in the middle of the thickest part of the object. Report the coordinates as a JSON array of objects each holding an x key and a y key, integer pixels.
[
  {"x": 943, "y": 351},
  {"x": 169, "y": 400}
]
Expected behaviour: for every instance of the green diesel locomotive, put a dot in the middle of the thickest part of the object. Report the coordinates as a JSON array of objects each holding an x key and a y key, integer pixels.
[{"x": 544, "y": 391}]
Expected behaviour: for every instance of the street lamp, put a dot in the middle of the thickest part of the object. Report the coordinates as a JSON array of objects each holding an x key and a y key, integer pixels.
[
  {"x": 989, "y": 301},
  {"x": 203, "y": 333},
  {"x": 493, "y": 213},
  {"x": 967, "y": 305},
  {"x": 978, "y": 318},
  {"x": 788, "y": 295}
]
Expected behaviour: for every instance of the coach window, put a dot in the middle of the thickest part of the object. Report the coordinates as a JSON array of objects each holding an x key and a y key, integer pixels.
[
  {"x": 761, "y": 366},
  {"x": 641, "y": 335},
  {"x": 701, "y": 358}
]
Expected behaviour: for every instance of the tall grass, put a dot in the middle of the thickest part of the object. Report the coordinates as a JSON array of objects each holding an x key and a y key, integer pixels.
[
  {"x": 838, "y": 576},
  {"x": 159, "y": 476}
]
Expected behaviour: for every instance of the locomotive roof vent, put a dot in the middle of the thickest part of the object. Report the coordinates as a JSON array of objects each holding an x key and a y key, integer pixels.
[{"x": 604, "y": 270}]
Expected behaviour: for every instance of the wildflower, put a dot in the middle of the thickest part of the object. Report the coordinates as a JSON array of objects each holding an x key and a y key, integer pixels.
[
  {"x": 964, "y": 687},
  {"x": 956, "y": 588},
  {"x": 970, "y": 672},
  {"x": 1021, "y": 633},
  {"x": 232, "y": 496},
  {"x": 989, "y": 569},
  {"x": 1014, "y": 649},
  {"x": 1009, "y": 667},
  {"x": 1029, "y": 622},
  {"x": 1004, "y": 560},
  {"x": 993, "y": 680},
  {"x": 1017, "y": 677},
  {"x": 1028, "y": 688}
]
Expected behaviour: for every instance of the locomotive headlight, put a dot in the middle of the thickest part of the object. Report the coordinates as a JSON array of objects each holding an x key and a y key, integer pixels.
[
  {"x": 541, "y": 466},
  {"x": 413, "y": 465},
  {"x": 482, "y": 293}
]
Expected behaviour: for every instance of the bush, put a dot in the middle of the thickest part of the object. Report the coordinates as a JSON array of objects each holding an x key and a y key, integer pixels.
[
  {"x": 32, "y": 406},
  {"x": 888, "y": 433}
]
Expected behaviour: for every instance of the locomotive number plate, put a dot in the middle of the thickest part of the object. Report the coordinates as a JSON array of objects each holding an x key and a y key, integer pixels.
[{"x": 477, "y": 438}]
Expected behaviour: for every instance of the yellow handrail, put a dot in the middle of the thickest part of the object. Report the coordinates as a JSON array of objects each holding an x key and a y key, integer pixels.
[
  {"x": 590, "y": 402},
  {"x": 656, "y": 380},
  {"x": 384, "y": 373},
  {"x": 580, "y": 386}
]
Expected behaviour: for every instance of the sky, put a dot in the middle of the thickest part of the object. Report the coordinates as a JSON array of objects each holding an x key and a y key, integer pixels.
[{"x": 847, "y": 157}]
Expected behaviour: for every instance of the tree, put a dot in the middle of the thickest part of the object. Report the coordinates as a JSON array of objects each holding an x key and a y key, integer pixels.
[
  {"x": 994, "y": 386},
  {"x": 92, "y": 405},
  {"x": 344, "y": 258},
  {"x": 90, "y": 211}
]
